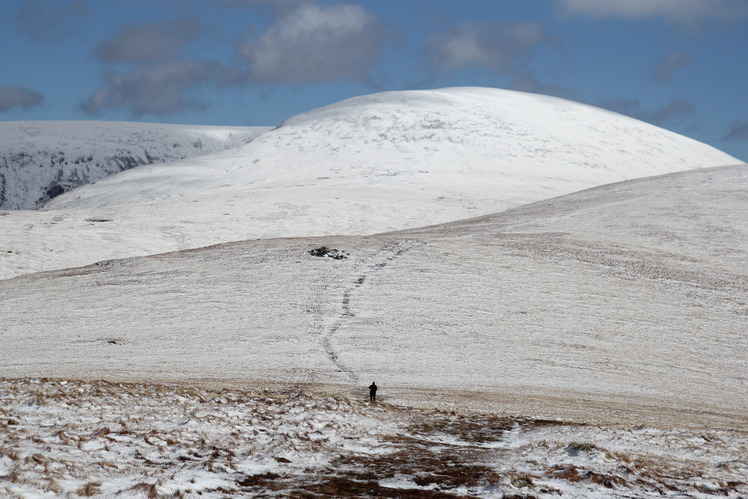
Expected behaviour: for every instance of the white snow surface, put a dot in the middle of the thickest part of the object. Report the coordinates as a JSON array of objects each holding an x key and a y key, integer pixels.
[
  {"x": 497, "y": 148},
  {"x": 372, "y": 164},
  {"x": 630, "y": 297},
  {"x": 40, "y": 159}
]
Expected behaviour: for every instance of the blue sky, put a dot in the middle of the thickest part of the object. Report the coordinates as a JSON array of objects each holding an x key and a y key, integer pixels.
[{"x": 679, "y": 64}]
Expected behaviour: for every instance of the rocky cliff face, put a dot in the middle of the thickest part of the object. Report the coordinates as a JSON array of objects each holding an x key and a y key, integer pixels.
[{"x": 41, "y": 160}]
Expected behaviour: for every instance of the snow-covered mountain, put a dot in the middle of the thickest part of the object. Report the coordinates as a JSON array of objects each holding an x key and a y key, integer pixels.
[
  {"x": 602, "y": 332},
  {"x": 372, "y": 164},
  {"x": 42, "y": 159},
  {"x": 486, "y": 148}
]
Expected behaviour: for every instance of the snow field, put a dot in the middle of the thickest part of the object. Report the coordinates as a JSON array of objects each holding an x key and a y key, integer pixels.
[
  {"x": 624, "y": 303},
  {"x": 83, "y": 438},
  {"x": 368, "y": 165}
]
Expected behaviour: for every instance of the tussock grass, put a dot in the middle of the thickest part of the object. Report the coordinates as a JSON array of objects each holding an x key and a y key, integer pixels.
[
  {"x": 149, "y": 490},
  {"x": 172, "y": 440},
  {"x": 90, "y": 489}
]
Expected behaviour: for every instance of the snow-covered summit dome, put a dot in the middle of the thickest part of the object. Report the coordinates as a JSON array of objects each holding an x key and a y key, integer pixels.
[
  {"x": 490, "y": 131},
  {"x": 498, "y": 147}
]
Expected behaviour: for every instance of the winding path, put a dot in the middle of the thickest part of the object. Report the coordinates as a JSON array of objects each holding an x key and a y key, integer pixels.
[{"x": 380, "y": 261}]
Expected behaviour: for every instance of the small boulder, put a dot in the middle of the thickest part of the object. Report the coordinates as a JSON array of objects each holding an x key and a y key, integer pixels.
[{"x": 325, "y": 252}]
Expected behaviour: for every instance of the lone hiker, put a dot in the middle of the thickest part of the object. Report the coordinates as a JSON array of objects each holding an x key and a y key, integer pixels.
[{"x": 373, "y": 391}]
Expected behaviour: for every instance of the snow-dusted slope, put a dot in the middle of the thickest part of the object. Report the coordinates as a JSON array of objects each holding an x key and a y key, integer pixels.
[
  {"x": 624, "y": 303},
  {"x": 486, "y": 148},
  {"x": 42, "y": 159},
  {"x": 373, "y": 164}
]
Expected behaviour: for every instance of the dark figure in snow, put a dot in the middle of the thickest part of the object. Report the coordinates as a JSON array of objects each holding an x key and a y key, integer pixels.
[{"x": 373, "y": 391}]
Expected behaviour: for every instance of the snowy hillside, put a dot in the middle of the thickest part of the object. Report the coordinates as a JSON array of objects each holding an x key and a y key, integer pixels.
[
  {"x": 486, "y": 148},
  {"x": 585, "y": 346},
  {"x": 630, "y": 298},
  {"x": 373, "y": 164},
  {"x": 588, "y": 345},
  {"x": 42, "y": 159}
]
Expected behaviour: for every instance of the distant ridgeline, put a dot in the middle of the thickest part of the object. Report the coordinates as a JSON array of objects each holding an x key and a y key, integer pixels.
[{"x": 41, "y": 160}]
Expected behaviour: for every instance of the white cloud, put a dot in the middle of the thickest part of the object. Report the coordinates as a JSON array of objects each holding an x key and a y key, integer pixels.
[
  {"x": 316, "y": 44},
  {"x": 497, "y": 46},
  {"x": 690, "y": 13}
]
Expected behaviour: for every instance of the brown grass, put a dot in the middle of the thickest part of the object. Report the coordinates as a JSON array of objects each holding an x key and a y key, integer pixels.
[
  {"x": 572, "y": 473},
  {"x": 35, "y": 459},
  {"x": 148, "y": 489},
  {"x": 473, "y": 429},
  {"x": 54, "y": 487},
  {"x": 435, "y": 451},
  {"x": 13, "y": 454},
  {"x": 90, "y": 489}
]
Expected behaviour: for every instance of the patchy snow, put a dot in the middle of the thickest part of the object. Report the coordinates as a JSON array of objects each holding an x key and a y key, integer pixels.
[
  {"x": 42, "y": 159},
  {"x": 373, "y": 164},
  {"x": 144, "y": 440}
]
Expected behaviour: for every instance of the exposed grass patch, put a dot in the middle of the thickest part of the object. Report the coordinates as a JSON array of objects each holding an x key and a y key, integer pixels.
[
  {"x": 187, "y": 441},
  {"x": 150, "y": 490},
  {"x": 90, "y": 489}
]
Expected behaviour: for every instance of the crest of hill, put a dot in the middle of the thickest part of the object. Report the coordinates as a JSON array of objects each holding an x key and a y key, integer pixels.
[
  {"x": 701, "y": 215},
  {"x": 40, "y": 160},
  {"x": 498, "y": 148}
]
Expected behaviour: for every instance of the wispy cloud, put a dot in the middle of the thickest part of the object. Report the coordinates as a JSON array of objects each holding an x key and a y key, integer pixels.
[
  {"x": 669, "y": 65},
  {"x": 154, "y": 42},
  {"x": 50, "y": 22},
  {"x": 688, "y": 13},
  {"x": 314, "y": 44},
  {"x": 675, "y": 111},
  {"x": 738, "y": 130},
  {"x": 500, "y": 47},
  {"x": 161, "y": 88},
  {"x": 19, "y": 96}
]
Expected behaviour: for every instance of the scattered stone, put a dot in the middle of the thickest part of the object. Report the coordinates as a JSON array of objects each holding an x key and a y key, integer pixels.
[{"x": 324, "y": 251}]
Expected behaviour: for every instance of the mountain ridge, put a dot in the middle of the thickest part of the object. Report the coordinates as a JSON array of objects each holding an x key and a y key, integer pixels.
[{"x": 40, "y": 160}]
